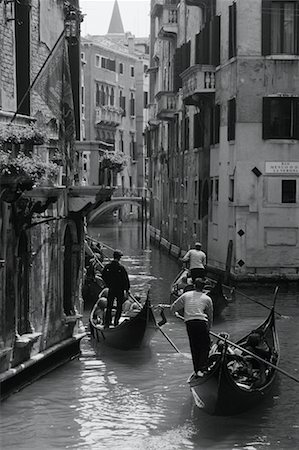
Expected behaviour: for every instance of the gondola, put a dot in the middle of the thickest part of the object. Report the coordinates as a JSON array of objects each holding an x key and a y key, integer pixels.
[
  {"x": 222, "y": 390},
  {"x": 131, "y": 333},
  {"x": 213, "y": 289}
]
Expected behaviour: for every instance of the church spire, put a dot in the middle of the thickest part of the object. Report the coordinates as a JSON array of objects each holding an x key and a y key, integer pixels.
[{"x": 116, "y": 25}]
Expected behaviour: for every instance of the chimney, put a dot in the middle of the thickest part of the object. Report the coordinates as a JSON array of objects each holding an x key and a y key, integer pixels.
[{"x": 131, "y": 44}]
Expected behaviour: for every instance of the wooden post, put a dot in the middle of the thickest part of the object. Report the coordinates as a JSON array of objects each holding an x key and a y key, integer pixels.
[
  {"x": 228, "y": 263},
  {"x": 142, "y": 222}
]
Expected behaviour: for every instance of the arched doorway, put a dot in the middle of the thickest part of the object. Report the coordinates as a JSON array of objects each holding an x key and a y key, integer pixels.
[
  {"x": 68, "y": 272},
  {"x": 22, "y": 316}
]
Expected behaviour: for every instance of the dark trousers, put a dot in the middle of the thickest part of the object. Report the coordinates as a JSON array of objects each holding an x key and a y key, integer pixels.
[
  {"x": 197, "y": 273},
  {"x": 112, "y": 294},
  {"x": 199, "y": 340}
]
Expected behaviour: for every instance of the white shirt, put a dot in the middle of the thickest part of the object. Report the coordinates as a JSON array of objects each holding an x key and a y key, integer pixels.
[
  {"x": 196, "y": 258},
  {"x": 196, "y": 304}
]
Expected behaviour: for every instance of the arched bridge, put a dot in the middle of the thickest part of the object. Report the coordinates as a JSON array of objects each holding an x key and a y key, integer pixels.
[{"x": 120, "y": 197}]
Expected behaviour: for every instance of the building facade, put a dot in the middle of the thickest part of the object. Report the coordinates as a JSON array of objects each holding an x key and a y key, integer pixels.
[
  {"x": 114, "y": 97},
  {"x": 42, "y": 205},
  {"x": 223, "y": 132}
]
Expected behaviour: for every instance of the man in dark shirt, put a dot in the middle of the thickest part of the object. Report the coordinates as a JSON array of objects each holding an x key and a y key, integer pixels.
[{"x": 116, "y": 278}]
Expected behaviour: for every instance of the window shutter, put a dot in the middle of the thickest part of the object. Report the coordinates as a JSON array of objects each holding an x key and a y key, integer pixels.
[
  {"x": 266, "y": 27},
  {"x": 216, "y": 41},
  {"x": 231, "y": 119},
  {"x": 297, "y": 28},
  {"x": 266, "y": 117},
  {"x": 296, "y": 118},
  {"x": 232, "y": 31},
  {"x": 217, "y": 124}
]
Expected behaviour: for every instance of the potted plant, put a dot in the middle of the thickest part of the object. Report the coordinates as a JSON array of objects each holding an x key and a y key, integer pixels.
[{"x": 115, "y": 161}]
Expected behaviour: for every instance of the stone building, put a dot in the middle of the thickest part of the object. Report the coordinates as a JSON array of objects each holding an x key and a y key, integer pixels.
[
  {"x": 114, "y": 100},
  {"x": 223, "y": 132},
  {"x": 42, "y": 205}
]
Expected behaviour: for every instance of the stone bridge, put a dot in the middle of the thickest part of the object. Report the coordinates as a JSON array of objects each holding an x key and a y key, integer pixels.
[{"x": 120, "y": 196}]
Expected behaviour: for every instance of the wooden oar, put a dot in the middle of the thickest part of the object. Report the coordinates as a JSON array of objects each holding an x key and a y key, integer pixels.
[
  {"x": 253, "y": 300},
  {"x": 249, "y": 352}
]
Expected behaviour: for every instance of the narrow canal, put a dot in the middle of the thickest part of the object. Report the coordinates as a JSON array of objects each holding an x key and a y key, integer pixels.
[{"x": 140, "y": 400}]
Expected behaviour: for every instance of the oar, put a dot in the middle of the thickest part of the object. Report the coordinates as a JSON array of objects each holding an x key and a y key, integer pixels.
[
  {"x": 253, "y": 300},
  {"x": 249, "y": 352}
]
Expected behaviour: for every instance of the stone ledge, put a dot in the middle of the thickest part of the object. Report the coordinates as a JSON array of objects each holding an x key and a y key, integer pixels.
[{"x": 27, "y": 338}]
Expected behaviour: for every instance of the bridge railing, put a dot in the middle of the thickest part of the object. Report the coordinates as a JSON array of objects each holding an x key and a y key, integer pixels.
[{"x": 129, "y": 192}]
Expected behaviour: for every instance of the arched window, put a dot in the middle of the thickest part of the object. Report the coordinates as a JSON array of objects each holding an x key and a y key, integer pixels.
[
  {"x": 112, "y": 97},
  {"x": 68, "y": 272},
  {"x": 107, "y": 96},
  {"x": 98, "y": 95},
  {"x": 23, "y": 325},
  {"x": 103, "y": 100}
]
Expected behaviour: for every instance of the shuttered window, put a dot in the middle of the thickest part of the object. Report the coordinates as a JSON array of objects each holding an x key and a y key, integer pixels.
[
  {"x": 232, "y": 31},
  {"x": 280, "y": 27},
  {"x": 231, "y": 119},
  {"x": 215, "y": 125},
  {"x": 198, "y": 135},
  {"x": 280, "y": 118},
  {"x": 207, "y": 44},
  {"x": 177, "y": 69}
]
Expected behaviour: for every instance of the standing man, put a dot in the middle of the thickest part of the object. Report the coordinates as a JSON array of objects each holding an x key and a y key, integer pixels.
[
  {"x": 116, "y": 278},
  {"x": 197, "y": 261},
  {"x": 198, "y": 317}
]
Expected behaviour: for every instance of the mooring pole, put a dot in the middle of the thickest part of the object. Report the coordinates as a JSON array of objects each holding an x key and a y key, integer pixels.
[{"x": 142, "y": 222}]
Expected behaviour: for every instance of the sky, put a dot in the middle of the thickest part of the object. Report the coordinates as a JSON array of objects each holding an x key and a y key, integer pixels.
[{"x": 134, "y": 13}]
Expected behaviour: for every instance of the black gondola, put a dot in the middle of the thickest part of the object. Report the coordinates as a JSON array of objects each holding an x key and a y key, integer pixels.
[
  {"x": 213, "y": 289},
  {"x": 221, "y": 391}
]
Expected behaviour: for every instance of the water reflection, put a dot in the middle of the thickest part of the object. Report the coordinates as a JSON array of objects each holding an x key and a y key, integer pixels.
[{"x": 140, "y": 400}]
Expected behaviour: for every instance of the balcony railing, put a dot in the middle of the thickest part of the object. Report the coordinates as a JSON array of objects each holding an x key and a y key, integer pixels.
[
  {"x": 197, "y": 80},
  {"x": 166, "y": 105},
  {"x": 168, "y": 22},
  {"x": 108, "y": 115}
]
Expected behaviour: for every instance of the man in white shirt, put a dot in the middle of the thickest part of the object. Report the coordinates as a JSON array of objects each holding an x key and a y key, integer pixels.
[
  {"x": 198, "y": 317},
  {"x": 197, "y": 261}
]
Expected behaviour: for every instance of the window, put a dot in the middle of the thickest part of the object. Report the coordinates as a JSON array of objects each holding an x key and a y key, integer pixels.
[
  {"x": 112, "y": 97},
  {"x": 103, "y": 99},
  {"x": 82, "y": 56},
  {"x": 132, "y": 71},
  {"x": 280, "y": 32},
  {"x": 97, "y": 60},
  {"x": 98, "y": 95},
  {"x": 132, "y": 105},
  {"x": 198, "y": 134},
  {"x": 121, "y": 68},
  {"x": 145, "y": 99},
  {"x": 121, "y": 142},
  {"x": 186, "y": 133},
  {"x": 232, "y": 31},
  {"x": 288, "y": 191},
  {"x": 133, "y": 152},
  {"x": 216, "y": 189},
  {"x": 231, "y": 119},
  {"x": 231, "y": 189},
  {"x": 145, "y": 67},
  {"x": 280, "y": 118},
  {"x": 215, "y": 125},
  {"x": 103, "y": 63}
]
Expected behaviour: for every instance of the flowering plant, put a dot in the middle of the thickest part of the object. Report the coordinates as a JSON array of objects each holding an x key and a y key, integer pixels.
[
  {"x": 19, "y": 134},
  {"x": 24, "y": 170},
  {"x": 113, "y": 160}
]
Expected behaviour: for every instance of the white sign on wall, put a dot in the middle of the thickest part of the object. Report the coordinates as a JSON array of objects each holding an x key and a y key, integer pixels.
[{"x": 282, "y": 167}]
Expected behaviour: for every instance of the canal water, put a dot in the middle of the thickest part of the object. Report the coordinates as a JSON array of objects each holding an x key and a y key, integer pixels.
[{"x": 140, "y": 400}]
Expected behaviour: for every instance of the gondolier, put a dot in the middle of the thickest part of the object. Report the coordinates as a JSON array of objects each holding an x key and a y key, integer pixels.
[
  {"x": 116, "y": 278},
  {"x": 197, "y": 261},
  {"x": 198, "y": 316}
]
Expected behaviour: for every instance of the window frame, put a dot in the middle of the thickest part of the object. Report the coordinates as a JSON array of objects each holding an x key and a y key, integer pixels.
[{"x": 267, "y": 109}]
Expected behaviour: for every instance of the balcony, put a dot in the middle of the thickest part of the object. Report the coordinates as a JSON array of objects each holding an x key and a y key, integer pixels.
[
  {"x": 198, "y": 80},
  {"x": 166, "y": 106},
  {"x": 168, "y": 22},
  {"x": 108, "y": 115}
]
